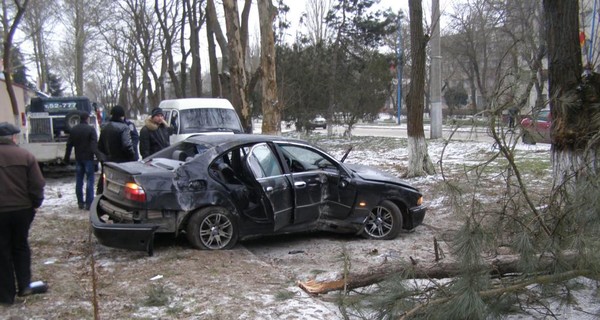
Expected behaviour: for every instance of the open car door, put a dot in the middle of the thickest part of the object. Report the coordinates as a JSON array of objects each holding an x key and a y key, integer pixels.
[{"x": 265, "y": 167}]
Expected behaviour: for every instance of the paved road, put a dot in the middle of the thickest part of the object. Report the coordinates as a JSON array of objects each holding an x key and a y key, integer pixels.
[
  {"x": 394, "y": 130},
  {"x": 466, "y": 133}
]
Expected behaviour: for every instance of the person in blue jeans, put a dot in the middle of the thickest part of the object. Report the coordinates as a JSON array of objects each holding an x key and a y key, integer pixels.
[{"x": 84, "y": 139}]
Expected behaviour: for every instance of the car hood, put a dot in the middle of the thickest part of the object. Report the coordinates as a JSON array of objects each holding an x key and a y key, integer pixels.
[{"x": 372, "y": 174}]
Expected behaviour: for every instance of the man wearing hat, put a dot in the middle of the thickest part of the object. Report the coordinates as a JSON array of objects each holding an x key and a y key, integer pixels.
[
  {"x": 115, "y": 138},
  {"x": 154, "y": 136},
  {"x": 84, "y": 139},
  {"x": 21, "y": 192}
]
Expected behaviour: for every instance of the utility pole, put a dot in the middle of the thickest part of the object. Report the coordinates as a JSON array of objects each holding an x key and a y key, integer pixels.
[
  {"x": 399, "y": 66},
  {"x": 436, "y": 74}
]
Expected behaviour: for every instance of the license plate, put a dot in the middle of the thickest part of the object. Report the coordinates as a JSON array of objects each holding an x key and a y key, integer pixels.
[{"x": 113, "y": 187}]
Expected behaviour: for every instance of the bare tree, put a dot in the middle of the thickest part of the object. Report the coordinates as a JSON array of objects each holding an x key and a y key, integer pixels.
[
  {"x": 37, "y": 23},
  {"x": 475, "y": 46},
  {"x": 271, "y": 107},
  {"x": 81, "y": 19},
  {"x": 9, "y": 27},
  {"x": 315, "y": 20},
  {"x": 214, "y": 32},
  {"x": 196, "y": 18},
  {"x": 419, "y": 162},
  {"x": 167, "y": 14},
  {"x": 239, "y": 80}
]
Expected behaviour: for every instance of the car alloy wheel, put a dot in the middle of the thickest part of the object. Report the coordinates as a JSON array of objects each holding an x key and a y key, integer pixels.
[
  {"x": 212, "y": 228},
  {"x": 384, "y": 221}
]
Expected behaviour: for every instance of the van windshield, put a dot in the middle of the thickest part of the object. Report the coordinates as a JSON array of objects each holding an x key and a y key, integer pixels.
[{"x": 208, "y": 120}]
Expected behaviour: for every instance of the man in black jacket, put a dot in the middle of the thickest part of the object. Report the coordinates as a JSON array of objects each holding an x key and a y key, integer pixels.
[
  {"x": 85, "y": 140},
  {"x": 115, "y": 141},
  {"x": 154, "y": 136},
  {"x": 115, "y": 138}
]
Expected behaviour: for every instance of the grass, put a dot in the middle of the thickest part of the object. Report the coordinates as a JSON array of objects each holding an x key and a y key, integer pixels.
[{"x": 157, "y": 295}]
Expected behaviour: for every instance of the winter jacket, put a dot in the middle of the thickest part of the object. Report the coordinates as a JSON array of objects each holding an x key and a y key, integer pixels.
[
  {"x": 85, "y": 140},
  {"x": 21, "y": 180},
  {"x": 115, "y": 142},
  {"x": 135, "y": 137},
  {"x": 153, "y": 138}
]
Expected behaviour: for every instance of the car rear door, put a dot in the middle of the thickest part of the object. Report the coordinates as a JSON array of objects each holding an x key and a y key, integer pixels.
[{"x": 265, "y": 166}]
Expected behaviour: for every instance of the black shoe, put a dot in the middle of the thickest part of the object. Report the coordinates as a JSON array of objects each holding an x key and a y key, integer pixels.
[
  {"x": 87, "y": 207},
  {"x": 34, "y": 288},
  {"x": 80, "y": 205}
]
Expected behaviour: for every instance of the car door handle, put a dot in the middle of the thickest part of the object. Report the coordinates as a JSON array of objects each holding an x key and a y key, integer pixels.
[
  {"x": 299, "y": 184},
  {"x": 269, "y": 189}
]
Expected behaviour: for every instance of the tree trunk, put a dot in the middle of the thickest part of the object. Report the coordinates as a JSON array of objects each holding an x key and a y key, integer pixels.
[
  {"x": 575, "y": 149},
  {"x": 237, "y": 68},
  {"x": 7, "y": 39},
  {"x": 80, "y": 42},
  {"x": 270, "y": 106},
  {"x": 419, "y": 162},
  {"x": 211, "y": 17},
  {"x": 195, "y": 20}
]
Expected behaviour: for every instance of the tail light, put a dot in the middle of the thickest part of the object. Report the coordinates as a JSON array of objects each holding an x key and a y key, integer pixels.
[{"x": 134, "y": 192}]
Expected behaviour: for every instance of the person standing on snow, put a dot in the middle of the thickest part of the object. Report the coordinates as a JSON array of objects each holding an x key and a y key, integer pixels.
[
  {"x": 21, "y": 193},
  {"x": 84, "y": 139},
  {"x": 115, "y": 138},
  {"x": 115, "y": 141},
  {"x": 154, "y": 136}
]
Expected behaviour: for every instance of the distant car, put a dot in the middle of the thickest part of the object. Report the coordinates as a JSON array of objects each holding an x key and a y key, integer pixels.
[
  {"x": 318, "y": 122},
  {"x": 536, "y": 129},
  {"x": 219, "y": 189}
]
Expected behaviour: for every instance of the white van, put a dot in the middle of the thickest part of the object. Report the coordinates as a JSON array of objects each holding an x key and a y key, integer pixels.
[{"x": 200, "y": 115}]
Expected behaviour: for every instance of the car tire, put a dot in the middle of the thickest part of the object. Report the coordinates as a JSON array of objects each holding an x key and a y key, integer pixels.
[
  {"x": 527, "y": 138},
  {"x": 212, "y": 228},
  {"x": 71, "y": 120},
  {"x": 384, "y": 222}
]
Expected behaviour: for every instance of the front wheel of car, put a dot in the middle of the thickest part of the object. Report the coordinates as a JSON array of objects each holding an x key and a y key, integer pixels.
[
  {"x": 384, "y": 222},
  {"x": 212, "y": 228}
]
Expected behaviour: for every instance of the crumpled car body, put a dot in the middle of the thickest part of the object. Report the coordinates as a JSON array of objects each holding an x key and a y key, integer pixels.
[{"x": 221, "y": 189}]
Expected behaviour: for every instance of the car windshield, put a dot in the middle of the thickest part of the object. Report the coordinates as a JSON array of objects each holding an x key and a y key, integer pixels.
[{"x": 208, "y": 119}]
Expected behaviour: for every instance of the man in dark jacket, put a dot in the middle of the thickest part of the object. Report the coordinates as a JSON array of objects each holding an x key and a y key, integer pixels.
[
  {"x": 115, "y": 138},
  {"x": 21, "y": 192},
  {"x": 115, "y": 141},
  {"x": 85, "y": 140},
  {"x": 154, "y": 136}
]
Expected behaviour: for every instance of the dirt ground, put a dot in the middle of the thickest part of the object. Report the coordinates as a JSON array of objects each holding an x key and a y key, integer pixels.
[{"x": 255, "y": 280}]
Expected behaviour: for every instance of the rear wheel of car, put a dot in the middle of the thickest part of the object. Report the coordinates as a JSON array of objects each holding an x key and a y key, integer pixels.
[
  {"x": 384, "y": 222},
  {"x": 212, "y": 228},
  {"x": 71, "y": 120}
]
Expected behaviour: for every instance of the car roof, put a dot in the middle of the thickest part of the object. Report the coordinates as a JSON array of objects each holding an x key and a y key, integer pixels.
[
  {"x": 195, "y": 103},
  {"x": 230, "y": 140}
]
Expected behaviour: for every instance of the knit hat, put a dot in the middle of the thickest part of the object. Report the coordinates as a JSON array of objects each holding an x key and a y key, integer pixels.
[
  {"x": 156, "y": 111},
  {"x": 8, "y": 129},
  {"x": 117, "y": 112}
]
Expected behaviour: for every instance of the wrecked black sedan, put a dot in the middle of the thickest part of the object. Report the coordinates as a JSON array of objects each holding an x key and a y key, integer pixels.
[{"x": 220, "y": 189}]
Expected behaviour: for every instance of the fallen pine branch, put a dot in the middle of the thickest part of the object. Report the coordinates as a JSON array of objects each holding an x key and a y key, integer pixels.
[
  {"x": 499, "y": 265},
  {"x": 502, "y": 290}
]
